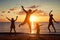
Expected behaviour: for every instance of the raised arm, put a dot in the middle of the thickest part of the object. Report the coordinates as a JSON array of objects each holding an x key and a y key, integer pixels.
[
  {"x": 34, "y": 10},
  {"x": 16, "y": 18},
  {"x": 50, "y": 12},
  {"x": 8, "y": 18},
  {"x": 24, "y": 9}
]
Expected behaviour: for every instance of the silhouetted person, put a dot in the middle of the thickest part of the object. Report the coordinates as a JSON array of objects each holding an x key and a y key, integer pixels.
[
  {"x": 12, "y": 24},
  {"x": 38, "y": 28},
  {"x": 51, "y": 19},
  {"x": 27, "y": 18}
]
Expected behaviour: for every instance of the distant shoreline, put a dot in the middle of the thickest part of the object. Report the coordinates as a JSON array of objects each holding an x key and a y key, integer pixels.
[
  {"x": 29, "y": 33},
  {"x": 21, "y": 22}
]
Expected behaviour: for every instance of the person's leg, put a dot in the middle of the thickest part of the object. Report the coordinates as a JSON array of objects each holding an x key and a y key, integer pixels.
[
  {"x": 10, "y": 29},
  {"x": 29, "y": 26},
  {"x": 14, "y": 30},
  {"x": 22, "y": 23},
  {"x": 38, "y": 30},
  {"x": 53, "y": 27},
  {"x": 49, "y": 27}
]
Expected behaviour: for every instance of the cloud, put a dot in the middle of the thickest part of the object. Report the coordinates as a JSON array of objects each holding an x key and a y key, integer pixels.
[
  {"x": 20, "y": 12},
  {"x": 41, "y": 13},
  {"x": 8, "y": 11},
  {"x": 2, "y": 11},
  {"x": 33, "y": 6},
  {"x": 38, "y": 12},
  {"x": 12, "y": 9},
  {"x": 1, "y": 15}
]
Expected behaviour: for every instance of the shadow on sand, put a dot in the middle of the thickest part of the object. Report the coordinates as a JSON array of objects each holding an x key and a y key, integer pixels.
[{"x": 26, "y": 36}]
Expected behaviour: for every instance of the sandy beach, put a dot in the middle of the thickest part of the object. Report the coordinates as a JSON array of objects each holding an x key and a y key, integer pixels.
[{"x": 26, "y": 36}]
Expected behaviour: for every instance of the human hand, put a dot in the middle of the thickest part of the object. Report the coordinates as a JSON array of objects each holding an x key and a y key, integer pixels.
[
  {"x": 22, "y": 6},
  {"x": 17, "y": 16}
]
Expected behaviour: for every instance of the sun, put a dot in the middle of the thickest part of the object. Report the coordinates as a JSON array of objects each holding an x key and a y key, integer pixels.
[{"x": 33, "y": 18}]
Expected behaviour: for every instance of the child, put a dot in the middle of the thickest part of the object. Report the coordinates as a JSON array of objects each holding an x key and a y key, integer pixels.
[{"x": 38, "y": 27}]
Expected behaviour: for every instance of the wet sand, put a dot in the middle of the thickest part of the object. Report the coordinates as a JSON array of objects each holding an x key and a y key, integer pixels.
[{"x": 26, "y": 36}]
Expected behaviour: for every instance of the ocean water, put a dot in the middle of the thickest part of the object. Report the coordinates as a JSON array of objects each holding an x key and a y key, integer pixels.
[{"x": 5, "y": 27}]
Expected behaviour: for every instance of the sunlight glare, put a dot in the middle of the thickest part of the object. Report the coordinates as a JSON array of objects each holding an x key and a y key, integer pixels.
[
  {"x": 33, "y": 27},
  {"x": 32, "y": 18}
]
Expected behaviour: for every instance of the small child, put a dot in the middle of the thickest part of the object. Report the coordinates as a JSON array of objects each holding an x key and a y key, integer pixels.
[{"x": 38, "y": 27}]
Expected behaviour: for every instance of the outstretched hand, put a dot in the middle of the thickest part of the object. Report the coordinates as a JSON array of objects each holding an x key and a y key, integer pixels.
[
  {"x": 7, "y": 17},
  {"x": 51, "y": 10},
  {"x": 16, "y": 16},
  {"x": 22, "y": 6},
  {"x": 19, "y": 25},
  {"x": 56, "y": 22}
]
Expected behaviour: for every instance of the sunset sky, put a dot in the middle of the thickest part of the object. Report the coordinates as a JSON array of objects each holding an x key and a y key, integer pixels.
[{"x": 11, "y": 8}]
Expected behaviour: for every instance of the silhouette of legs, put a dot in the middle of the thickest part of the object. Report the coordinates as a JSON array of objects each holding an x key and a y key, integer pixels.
[
  {"x": 29, "y": 26},
  {"x": 22, "y": 23},
  {"x": 10, "y": 30},
  {"x": 38, "y": 30},
  {"x": 28, "y": 22},
  {"x": 49, "y": 27},
  {"x": 13, "y": 29},
  {"x": 53, "y": 27}
]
